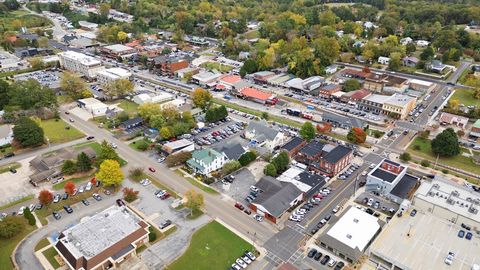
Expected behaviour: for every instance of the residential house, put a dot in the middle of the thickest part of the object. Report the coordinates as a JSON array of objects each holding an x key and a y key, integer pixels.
[
  {"x": 406, "y": 40},
  {"x": 232, "y": 151},
  {"x": 331, "y": 69},
  {"x": 410, "y": 61},
  {"x": 261, "y": 134},
  {"x": 422, "y": 43},
  {"x": 198, "y": 41},
  {"x": 452, "y": 119},
  {"x": 475, "y": 130},
  {"x": 275, "y": 198},
  {"x": 131, "y": 123},
  {"x": 436, "y": 66},
  {"x": 6, "y": 134},
  {"x": 206, "y": 161}
]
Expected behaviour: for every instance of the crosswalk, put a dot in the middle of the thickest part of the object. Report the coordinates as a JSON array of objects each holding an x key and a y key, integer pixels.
[
  {"x": 295, "y": 256},
  {"x": 274, "y": 259}
]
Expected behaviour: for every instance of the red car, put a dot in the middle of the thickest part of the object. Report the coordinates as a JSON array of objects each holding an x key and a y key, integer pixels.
[
  {"x": 239, "y": 206},
  {"x": 151, "y": 169},
  {"x": 165, "y": 196}
]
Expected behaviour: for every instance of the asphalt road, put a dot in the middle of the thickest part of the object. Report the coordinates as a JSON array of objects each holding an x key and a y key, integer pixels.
[{"x": 216, "y": 205}]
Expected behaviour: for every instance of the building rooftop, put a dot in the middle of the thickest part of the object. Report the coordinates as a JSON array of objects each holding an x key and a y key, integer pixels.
[
  {"x": 355, "y": 229},
  {"x": 232, "y": 151},
  {"x": 5, "y": 131},
  {"x": 115, "y": 73},
  {"x": 97, "y": 233},
  {"x": 293, "y": 143},
  {"x": 404, "y": 186},
  {"x": 399, "y": 100},
  {"x": 312, "y": 148},
  {"x": 448, "y": 195},
  {"x": 276, "y": 196},
  {"x": 230, "y": 79},
  {"x": 377, "y": 98},
  {"x": 337, "y": 153},
  {"x": 118, "y": 48},
  {"x": 80, "y": 57},
  {"x": 261, "y": 128},
  {"x": 255, "y": 93}
]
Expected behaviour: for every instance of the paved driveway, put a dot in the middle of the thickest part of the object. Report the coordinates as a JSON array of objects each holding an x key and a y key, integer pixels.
[
  {"x": 16, "y": 186},
  {"x": 240, "y": 188}
]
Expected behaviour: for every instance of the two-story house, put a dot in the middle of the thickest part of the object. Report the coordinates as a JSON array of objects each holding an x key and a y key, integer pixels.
[
  {"x": 260, "y": 134},
  {"x": 206, "y": 161}
]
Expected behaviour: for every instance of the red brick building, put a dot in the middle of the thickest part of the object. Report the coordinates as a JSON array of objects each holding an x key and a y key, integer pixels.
[{"x": 168, "y": 66}]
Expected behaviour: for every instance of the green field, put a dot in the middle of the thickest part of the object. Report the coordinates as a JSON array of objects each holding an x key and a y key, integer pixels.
[
  {"x": 131, "y": 108},
  {"x": 41, "y": 244},
  {"x": 216, "y": 66},
  {"x": 56, "y": 132},
  {"x": 97, "y": 148},
  {"x": 212, "y": 247},
  {"x": 9, "y": 20},
  {"x": 465, "y": 97},
  {"x": 7, "y": 247},
  {"x": 197, "y": 183},
  {"x": 134, "y": 145},
  {"x": 50, "y": 255},
  {"x": 459, "y": 161}
]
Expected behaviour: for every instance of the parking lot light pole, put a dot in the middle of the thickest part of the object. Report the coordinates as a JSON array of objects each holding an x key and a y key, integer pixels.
[{"x": 355, "y": 186}]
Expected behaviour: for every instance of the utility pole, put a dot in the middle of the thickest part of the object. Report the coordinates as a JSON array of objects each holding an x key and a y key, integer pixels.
[{"x": 436, "y": 161}]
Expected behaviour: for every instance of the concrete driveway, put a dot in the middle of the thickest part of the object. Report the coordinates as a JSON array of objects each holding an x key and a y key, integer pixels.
[{"x": 16, "y": 186}]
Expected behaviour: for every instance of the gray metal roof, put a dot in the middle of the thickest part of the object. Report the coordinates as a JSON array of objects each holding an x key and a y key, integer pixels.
[
  {"x": 404, "y": 186},
  {"x": 276, "y": 196},
  {"x": 232, "y": 151},
  {"x": 262, "y": 128},
  {"x": 337, "y": 153}
]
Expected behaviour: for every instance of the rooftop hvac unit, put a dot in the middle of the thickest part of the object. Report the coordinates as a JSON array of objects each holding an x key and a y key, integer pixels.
[
  {"x": 349, "y": 236},
  {"x": 455, "y": 193},
  {"x": 450, "y": 201},
  {"x": 476, "y": 202},
  {"x": 473, "y": 210},
  {"x": 436, "y": 186},
  {"x": 469, "y": 199},
  {"x": 430, "y": 193},
  {"x": 355, "y": 220}
]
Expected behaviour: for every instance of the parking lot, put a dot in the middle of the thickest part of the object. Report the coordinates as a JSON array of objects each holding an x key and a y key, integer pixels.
[
  {"x": 13, "y": 190},
  {"x": 44, "y": 77},
  {"x": 368, "y": 200},
  {"x": 220, "y": 131}
]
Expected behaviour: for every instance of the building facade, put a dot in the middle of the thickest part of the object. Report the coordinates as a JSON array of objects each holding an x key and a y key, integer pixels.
[
  {"x": 112, "y": 74},
  {"x": 80, "y": 63}
]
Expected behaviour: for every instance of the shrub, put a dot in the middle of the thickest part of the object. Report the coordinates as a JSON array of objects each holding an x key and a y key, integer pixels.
[
  {"x": 178, "y": 159},
  {"x": 270, "y": 170},
  {"x": 142, "y": 145},
  {"x": 425, "y": 163},
  {"x": 405, "y": 157},
  {"x": 445, "y": 171},
  {"x": 152, "y": 236},
  {"x": 11, "y": 226},
  {"x": 230, "y": 167},
  {"x": 247, "y": 158},
  {"x": 136, "y": 173},
  {"x": 417, "y": 147},
  {"x": 208, "y": 180},
  {"x": 129, "y": 194}
]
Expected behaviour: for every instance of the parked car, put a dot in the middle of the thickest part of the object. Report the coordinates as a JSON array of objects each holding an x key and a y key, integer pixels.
[
  {"x": 241, "y": 263},
  {"x": 151, "y": 169},
  {"x": 312, "y": 253},
  {"x": 332, "y": 262},
  {"x": 56, "y": 215},
  {"x": 317, "y": 256},
  {"x": 239, "y": 206},
  {"x": 120, "y": 202},
  {"x": 85, "y": 202},
  {"x": 335, "y": 210},
  {"x": 449, "y": 258},
  {"x": 68, "y": 209},
  {"x": 325, "y": 260},
  {"x": 413, "y": 213},
  {"x": 165, "y": 224},
  {"x": 97, "y": 196},
  {"x": 246, "y": 259},
  {"x": 339, "y": 266},
  {"x": 461, "y": 233},
  {"x": 57, "y": 198},
  {"x": 250, "y": 255},
  {"x": 90, "y": 138},
  {"x": 258, "y": 218}
]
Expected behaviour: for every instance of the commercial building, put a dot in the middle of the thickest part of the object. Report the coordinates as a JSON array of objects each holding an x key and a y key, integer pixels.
[
  {"x": 6, "y": 134},
  {"x": 78, "y": 62},
  {"x": 294, "y": 145},
  {"x": 206, "y": 161},
  {"x": 97, "y": 108},
  {"x": 261, "y": 77},
  {"x": 118, "y": 50},
  {"x": 422, "y": 86},
  {"x": 165, "y": 65},
  {"x": 307, "y": 182},
  {"x": 452, "y": 119},
  {"x": 104, "y": 240},
  {"x": 355, "y": 96},
  {"x": 373, "y": 103},
  {"x": 256, "y": 95},
  {"x": 181, "y": 145},
  {"x": 399, "y": 106},
  {"x": 152, "y": 98},
  {"x": 328, "y": 90},
  {"x": 310, "y": 85},
  {"x": 111, "y": 74},
  {"x": 206, "y": 78},
  {"x": 383, "y": 60},
  {"x": 342, "y": 121},
  {"x": 351, "y": 234},
  {"x": 375, "y": 82},
  {"x": 275, "y": 198},
  {"x": 228, "y": 81},
  {"x": 449, "y": 201},
  {"x": 391, "y": 180}
]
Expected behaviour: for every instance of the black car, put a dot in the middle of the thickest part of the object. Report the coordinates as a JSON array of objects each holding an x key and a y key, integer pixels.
[
  {"x": 466, "y": 227},
  {"x": 317, "y": 256},
  {"x": 12, "y": 170},
  {"x": 312, "y": 253},
  {"x": 314, "y": 231},
  {"x": 85, "y": 202},
  {"x": 120, "y": 202},
  {"x": 9, "y": 155},
  {"x": 325, "y": 260},
  {"x": 99, "y": 183},
  {"x": 65, "y": 196},
  {"x": 369, "y": 211},
  {"x": 327, "y": 218},
  {"x": 339, "y": 266},
  {"x": 165, "y": 224},
  {"x": 413, "y": 213},
  {"x": 56, "y": 215},
  {"x": 68, "y": 209},
  {"x": 90, "y": 137}
]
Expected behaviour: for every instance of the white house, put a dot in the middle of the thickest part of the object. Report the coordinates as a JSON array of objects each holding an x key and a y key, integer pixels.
[
  {"x": 259, "y": 133},
  {"x": 422, "y": 43},
  {"x": 406, "y": 40},
  {"x": 146, "y": 98},
  {"x": 383, "y": 60},
  {"x": 6, "y": 134},
  {"x": 331, "y": 69},
  {"x": 206, "y": 161},
  {"x": 95, "y": 107}
]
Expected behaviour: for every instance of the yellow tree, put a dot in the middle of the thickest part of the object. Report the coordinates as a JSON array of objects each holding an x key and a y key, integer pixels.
[
  {"x": 122, "y": 36},
  {"x": 201, "y": 98},
  {"x": 117, "y": 88},
  {"x": 454, "y": 103},
  {"x": 110, "y": 173},
  {"x": 147, "y": 110},
  {"x": 194, "y": 200}
]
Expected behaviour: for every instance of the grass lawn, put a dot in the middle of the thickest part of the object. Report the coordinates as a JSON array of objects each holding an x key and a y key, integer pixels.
[
  {"x": 216, "y": 66},
  {"x": 252, "y": 34},
  {"x": 24, "y": 199},
  {"x": 197, "y": 183},
  {"x": 131, "y": 108},
  {"x": 212, "y": 247},
  {"x": 97, "y": 148},
  {"x": 195, "y": 214},
  {"x": 141, "y": 249},
  {"x": 8, "y": 245},
  {"x": 6, "y": 150},
  {"x": 56, "y": 131},
  {"x": 5, "y": 168},
  {"x": 50, "y": 255},
  {"x": 135, "y": 145},
  {"x": 41, "y": 244},
  {"x": 459, "y": 161},
  {"x": 465, "y": 97}
]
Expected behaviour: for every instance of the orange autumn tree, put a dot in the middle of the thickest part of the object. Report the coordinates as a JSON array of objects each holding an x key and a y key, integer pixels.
[
  {"x": 324, "y": 127},
  {"x": 357, "y": 135},
  {"x": 45, "y": 197},
  {"x": 69, "y": 188}
]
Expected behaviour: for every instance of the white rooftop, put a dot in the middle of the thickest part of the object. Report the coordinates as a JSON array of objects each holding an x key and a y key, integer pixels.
[
  {"x": 420, "y": 82},
  {"x": 118, "y": 48},
  {"x": 97, "y": 233},
  {"x": 206, "y": 76},
  {"x": 451, "y": 196},
  {"x": 377, "y": 98},
  {"x": 178, "y": 143},
  {"x": 399, "y": 99},
  {"x": 115, "y": 73},
  {"x": 80, "y": 57},
  {"x": 90, "y": 101},
  {"x": 355, "y": 228}
]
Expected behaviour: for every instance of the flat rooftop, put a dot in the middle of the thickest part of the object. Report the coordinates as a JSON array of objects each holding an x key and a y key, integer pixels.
[
  {"x": 80, "y": 57},
  {"x": 453, "y": 197},
  {"x": 430, "y": 240},
  {"x": 355, "y": 228},
  {"x": 115, "y": 73},
  {"x": 97, "y": 233}
]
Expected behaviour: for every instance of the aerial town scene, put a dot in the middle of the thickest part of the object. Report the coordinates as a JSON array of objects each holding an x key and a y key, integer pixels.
[{"x": 239, "y": 134}]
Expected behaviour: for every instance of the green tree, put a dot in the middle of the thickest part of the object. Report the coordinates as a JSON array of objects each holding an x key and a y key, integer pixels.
[
  {"x": 307, "y": 131},
  {"x": 72, "y": 84},
  {"x": 425, "y": 163},
  {"x": 395, "y": 61},
  {"x": 84, "y": 163},
  {"x": 148, "y": 110},
  {"x": 28, "y": 133},
  {"x": 69, "y": 167},
  {"x": 157, "y": 121},
  {"x": 281, "y": 161},
  {"x": 247, "y": 158},
  {"x": 249, "y": 66},
  {"x": 230, "y": 167},
  {"x": 118, "y": 88},
  {"x": 410, "y": 48},
  {"x": 27, "y": 214},
  {"x": 427, "y": 53},
  {"x": 194, "y": 200},
  {"x": 110, "y": 173},
  {"x": 177, "y": 159},
  {"x": 3, "y": 94},
  {"x": 351, "y": 85},
  {"x": 30, "y": 94},
  {"x": 446, "y": 143},
  {"x": 11, "y": 226},
  {"x": 270, "y": 170},
  {"x": 265, "y": 115},
  {"x": 405, "y": 157},
  {"x": 166, "y": 133},
  {"x": 201, "y": 98},
  {"x": 107, "y": 152}
]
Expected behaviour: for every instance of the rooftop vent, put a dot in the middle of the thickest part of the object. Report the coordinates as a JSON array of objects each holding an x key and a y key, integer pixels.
[
  {"x": 436, "y": 185},
  {"x": 473, "y": 210},
  {"x": 349, "y": 236},
  {"x": 355, "y": 220},
  {"x": 455, "y": 193}
]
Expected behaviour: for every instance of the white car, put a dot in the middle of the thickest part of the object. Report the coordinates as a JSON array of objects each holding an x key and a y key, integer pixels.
[
  {"x": 246, "y": 259},
  {"x": 241, "y": 263},
  {"x": 160, "y": 160},
  {"x": 300, "y": 211},
  {"x": 258, "y": 218},
  {"x": 335, "y": 210},
  {"x": 332, "y": 262},
  {"x": 236, "y": 267},
  {"x": 20, "y": 211},
  {"x": 449, "y": 258},
  {"x": 89, "y": 186},
  {"x": 81, "y": 189},
  {"x": 254, "y": 188}
]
